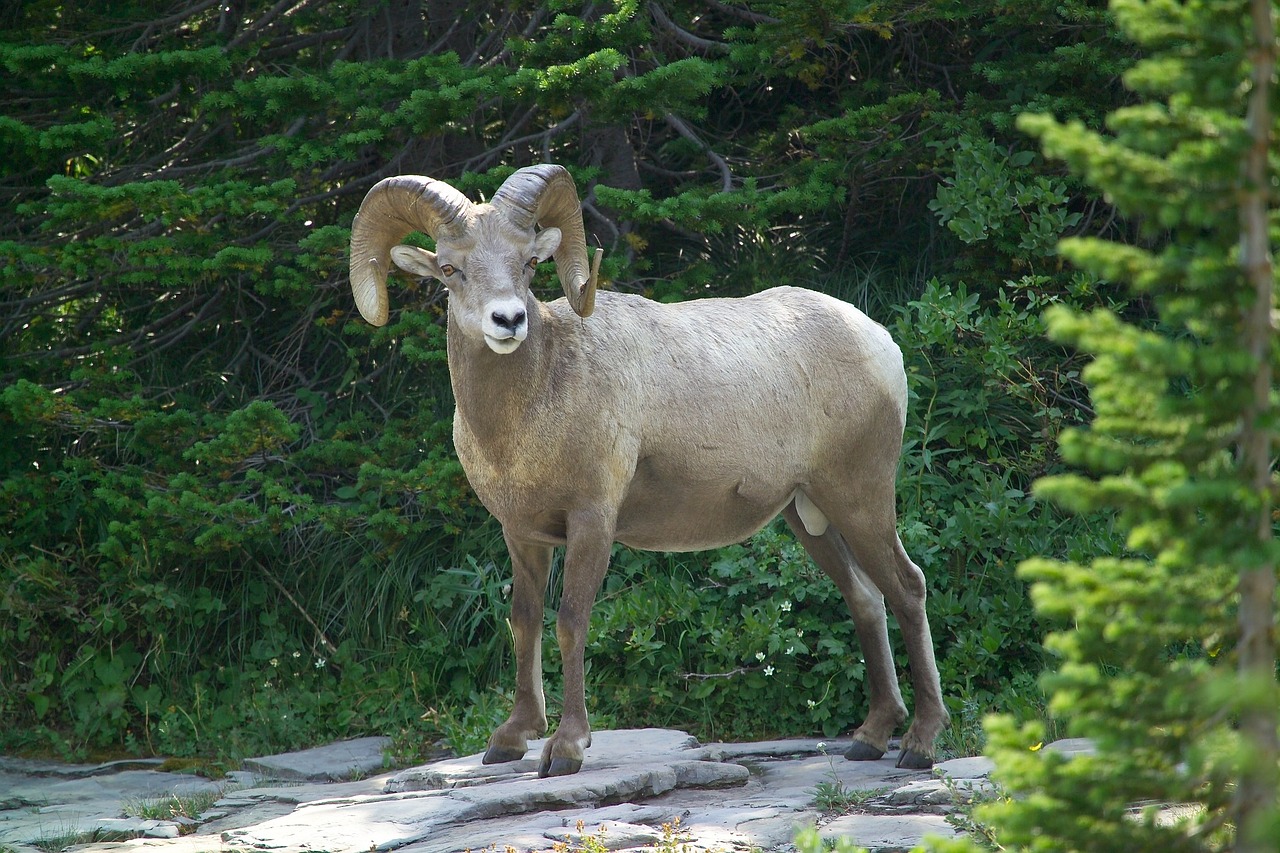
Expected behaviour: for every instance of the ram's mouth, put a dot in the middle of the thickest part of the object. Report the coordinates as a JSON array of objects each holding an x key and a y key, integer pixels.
[{"x": 502, "y": 346}]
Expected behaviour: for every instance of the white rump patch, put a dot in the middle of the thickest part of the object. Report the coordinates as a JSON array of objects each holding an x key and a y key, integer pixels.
[{"x": 810, "y": 516}]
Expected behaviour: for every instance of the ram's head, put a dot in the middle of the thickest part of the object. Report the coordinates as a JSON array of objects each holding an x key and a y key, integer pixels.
[{"x": 485, "y": 253}]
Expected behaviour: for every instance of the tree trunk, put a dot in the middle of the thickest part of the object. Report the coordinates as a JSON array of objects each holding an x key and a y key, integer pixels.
[{"x": 1260, "y": 777}]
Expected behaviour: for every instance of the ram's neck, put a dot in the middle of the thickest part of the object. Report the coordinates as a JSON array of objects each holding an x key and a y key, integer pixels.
[{"x": 495, "y": 394}]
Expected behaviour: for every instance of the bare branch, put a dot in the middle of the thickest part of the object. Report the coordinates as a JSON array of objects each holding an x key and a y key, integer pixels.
[
  {"x": 742, "y": 14},
  {"x": 726, "y": 176},
  {"x": 688, "y": 39}
]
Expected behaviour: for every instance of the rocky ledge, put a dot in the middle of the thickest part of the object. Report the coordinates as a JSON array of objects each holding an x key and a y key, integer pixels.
[{"x": 713, "y": 797}]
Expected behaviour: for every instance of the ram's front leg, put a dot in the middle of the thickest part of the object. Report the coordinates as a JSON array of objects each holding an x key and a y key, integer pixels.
[
  {"x": 530, "y": 565},
  {"x": 586, "y": 559}
]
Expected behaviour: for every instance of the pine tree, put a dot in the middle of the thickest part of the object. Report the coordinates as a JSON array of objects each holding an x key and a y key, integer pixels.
[{"x": 1167, "y": 651}]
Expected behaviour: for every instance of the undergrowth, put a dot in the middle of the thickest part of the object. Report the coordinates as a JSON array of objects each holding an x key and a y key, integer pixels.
[{"x": 310, "y": 609}]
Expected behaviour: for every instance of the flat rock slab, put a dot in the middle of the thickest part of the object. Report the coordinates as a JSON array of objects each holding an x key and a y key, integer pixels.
[
  {"x": 336, "y": 762},
  {"x": 48, "y": 806},
  {"x": 638, "y": 790},
  {"x": 886, "y": 833},
  {"x": 432, "y": 803}
]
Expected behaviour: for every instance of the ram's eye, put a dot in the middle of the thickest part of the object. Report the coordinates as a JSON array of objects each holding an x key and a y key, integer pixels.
[
  {"x": 448, "y": 269},
  {"x": 533, "y": 263}
]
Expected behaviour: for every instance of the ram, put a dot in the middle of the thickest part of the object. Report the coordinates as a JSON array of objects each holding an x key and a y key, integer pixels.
[{"x": 606, "y": 417}]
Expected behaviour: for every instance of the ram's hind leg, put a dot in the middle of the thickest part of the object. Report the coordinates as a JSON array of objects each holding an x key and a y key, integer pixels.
[
  {"x": 886, "y": 709},
  {"x": 530, "y": 566},
  {"x": 870, "y": 529}
]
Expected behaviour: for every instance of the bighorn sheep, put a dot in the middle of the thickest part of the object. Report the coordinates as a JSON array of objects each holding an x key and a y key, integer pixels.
[{"x": 663, "y": 427}]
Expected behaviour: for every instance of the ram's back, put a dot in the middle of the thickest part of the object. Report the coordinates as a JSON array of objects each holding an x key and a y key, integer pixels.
[{"x": 724, "y": 407}]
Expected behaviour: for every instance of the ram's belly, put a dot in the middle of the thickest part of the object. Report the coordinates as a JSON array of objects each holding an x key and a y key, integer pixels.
[{"x": 687, "y": 513}]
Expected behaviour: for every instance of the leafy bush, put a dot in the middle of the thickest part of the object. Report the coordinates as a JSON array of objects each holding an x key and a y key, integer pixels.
[
  {"x": 206, "y": 584},
  {"x": 206, "y": 468}
]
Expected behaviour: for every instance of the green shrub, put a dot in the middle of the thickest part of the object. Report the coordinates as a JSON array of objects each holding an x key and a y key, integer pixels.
[{"x": 207, "y": 466}]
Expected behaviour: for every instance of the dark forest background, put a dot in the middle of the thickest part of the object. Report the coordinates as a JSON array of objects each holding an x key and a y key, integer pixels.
[{"x": 230, "y": 516}]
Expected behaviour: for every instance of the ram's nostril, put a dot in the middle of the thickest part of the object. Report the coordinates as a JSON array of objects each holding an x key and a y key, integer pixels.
[{"x": 508, "y": 321}]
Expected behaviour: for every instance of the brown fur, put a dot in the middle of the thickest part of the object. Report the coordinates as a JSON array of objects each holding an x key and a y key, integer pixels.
[{"x": 674, "y": 428}]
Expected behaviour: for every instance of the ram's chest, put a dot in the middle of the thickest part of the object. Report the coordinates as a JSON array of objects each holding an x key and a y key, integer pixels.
[
  {"x": 542, "y": 469},
  {"x": 502, "y": 473}
]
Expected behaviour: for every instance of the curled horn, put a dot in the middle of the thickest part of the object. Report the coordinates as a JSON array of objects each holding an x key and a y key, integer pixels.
[
  {"x": 391, "y": 210},
  {"x": 547, "y": 196}
]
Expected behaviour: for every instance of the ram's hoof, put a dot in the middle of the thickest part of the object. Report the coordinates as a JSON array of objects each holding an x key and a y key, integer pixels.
[
  {"x": 501, "y": 755},
  {"x": 560, "y": 767},
  {"x": 863, "y": 751},
  {"x": 909, "y": 759}
]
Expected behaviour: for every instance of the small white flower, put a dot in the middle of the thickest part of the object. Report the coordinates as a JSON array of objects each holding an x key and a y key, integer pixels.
[
  {"x": 812, "y": 704},
  {"x": 275, "y": 661},
  {"x": 768, "y": 671},
  {"x": 759, "y": 655},
  {"x": 297, "y": 655},
  {"x": 799, "y": 633},
  {"x": 320, "y": 662},
  {"x": 785, "y": 607},
  {"x": 791, "y": 650}
]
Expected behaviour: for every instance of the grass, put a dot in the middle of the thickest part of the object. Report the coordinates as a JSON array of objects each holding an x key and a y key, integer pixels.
[
  {"x": 965, "y": 736},
  {"x": 173, "y": 805},
  {"x": 61, "y": 840},
  {"x": 835, "y": 798}
]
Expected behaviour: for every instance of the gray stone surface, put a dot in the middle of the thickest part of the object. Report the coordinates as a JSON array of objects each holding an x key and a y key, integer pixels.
[
  {"x": 976, "y": 767},
  {"x": 43, "y": 803},
  {"x": 888, "y": 832},
  {"x": 348, "y": 759},
  {"x": 716, "y": 797},
  {"x": 1073, "y": 746}
]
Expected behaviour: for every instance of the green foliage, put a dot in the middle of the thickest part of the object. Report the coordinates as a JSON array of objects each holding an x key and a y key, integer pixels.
[
  {"x": 984, "y": 200},
  {"x": 1148, "y": 631},
  {"x": 985, "y": 411},
  {"x": 718, "y": 640},
  {"x": 209, "y": 466}
]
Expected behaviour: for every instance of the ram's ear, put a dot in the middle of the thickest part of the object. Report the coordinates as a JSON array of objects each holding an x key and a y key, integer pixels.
[
  {"x": 546, "y": 243},
  {"x": 416, "y": 261}
]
